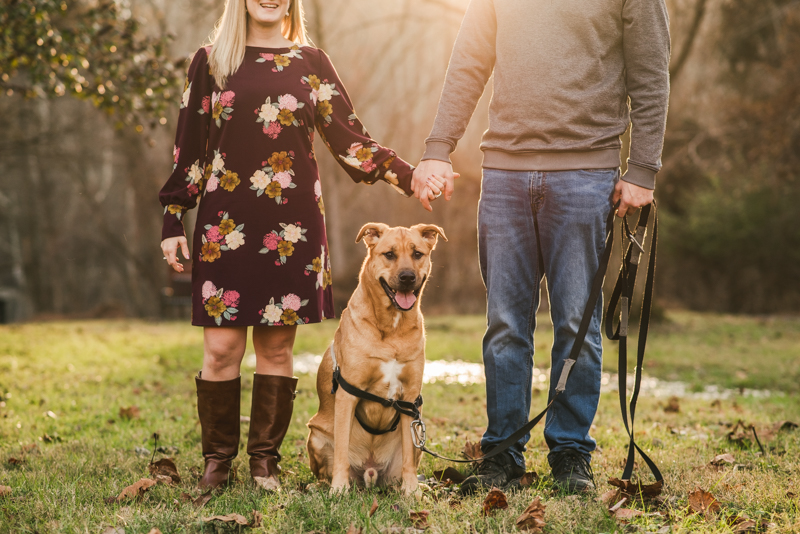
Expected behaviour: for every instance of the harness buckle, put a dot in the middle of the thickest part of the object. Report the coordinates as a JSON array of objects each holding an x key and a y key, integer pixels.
[{"x": 418, "y": 433}]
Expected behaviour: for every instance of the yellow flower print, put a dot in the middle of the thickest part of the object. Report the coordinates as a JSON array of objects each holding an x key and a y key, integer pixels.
[
  {"x": 326, "y": 279},
  {"x": 282, "y": 61},
  {"x": 209, "y": 170},
  {"x": 217, "y": 111},
  {"x": 364, "y": 154},
  {"x": 388, "y": 162},
  {"x": 229, "y": 181},
  {"x": 215, "y": 307},
  {"x": 324, "y": 108},
  {"x": 316, "y": 263},
  {"x": 321, "y": 206},
  {"x": 210, "y": 252},
  {"x": 313, "y": 81},
  {"x": 285, "y": 248},
  {"x": 286, "y": 117},
  {"x": 175, "y": 208},
  {"x": 226, "y": 226},
  {"x": 289, "y": 317},
  {"x": 280, "y": 162},
  {"x": 273, "y": 189}
]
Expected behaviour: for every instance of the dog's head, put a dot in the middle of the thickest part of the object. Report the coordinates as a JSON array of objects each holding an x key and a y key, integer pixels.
[{"x": 399, "y": 259}]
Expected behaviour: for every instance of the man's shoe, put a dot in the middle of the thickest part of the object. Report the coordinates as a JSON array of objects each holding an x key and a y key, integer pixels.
[
  {"x": 571, "y": 472},
  {"x": 501, "y": 471}
]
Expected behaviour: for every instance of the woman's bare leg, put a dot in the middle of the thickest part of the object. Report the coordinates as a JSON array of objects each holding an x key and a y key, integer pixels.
[
  {"x": 274, "y": 346},
  {"x": 223, "y": 352}
]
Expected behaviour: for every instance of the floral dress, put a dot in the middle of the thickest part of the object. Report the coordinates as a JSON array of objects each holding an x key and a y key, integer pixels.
[{"x": 260, "y": 251}]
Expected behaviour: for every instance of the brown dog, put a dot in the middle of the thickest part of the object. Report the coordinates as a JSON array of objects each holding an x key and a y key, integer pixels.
[{"x": 380, "y": 348}]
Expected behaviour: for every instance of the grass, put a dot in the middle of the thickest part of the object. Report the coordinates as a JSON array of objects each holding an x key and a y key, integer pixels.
[{"x": 63, "y": 384}]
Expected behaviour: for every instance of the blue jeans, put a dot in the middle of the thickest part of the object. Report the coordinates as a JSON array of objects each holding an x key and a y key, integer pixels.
[{"x": 571, "y": 209}]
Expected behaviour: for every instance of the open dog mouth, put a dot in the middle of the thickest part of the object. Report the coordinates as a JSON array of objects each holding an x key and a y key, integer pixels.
[{"x": 403, "y": 300}]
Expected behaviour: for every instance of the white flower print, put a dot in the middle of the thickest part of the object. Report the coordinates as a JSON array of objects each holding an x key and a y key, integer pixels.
[
  {"x": 352, "y": 161},
  {"x": 186, "y": 94},
  {"x": 234, "y": 240},
  {"x": 196, "y": 173},
  {"x": 292, "y": 233},
  {"x": 218, "y": 163},
  {"x": 325, "y": 92},
  {"x": 272, "y": 313},
  {"x": 268, "y": 112},
  {"x": 260, "y": 179}
]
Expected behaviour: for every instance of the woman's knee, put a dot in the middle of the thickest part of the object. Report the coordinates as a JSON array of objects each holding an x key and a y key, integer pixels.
[
  {"x": 225, "y": 348},
  {"x": 274, "y": 343}
]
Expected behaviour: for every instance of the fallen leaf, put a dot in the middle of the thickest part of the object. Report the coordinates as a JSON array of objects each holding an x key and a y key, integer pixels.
[
  {"x": 267, "y": 483},
  {"x": 791, "y": 494},
  {"x": 419, "y": 518},
  {"x": 625, "y": 514},
  {"x": 203, "y": 499},
  {"x": 30, "y": 449},
  {"x": 473, "y": 450},
  {"x": 55, "y": 438},
  {"x": 258, "y": 519},
  {"x": 353, "y": 529},
  {"x": 703, "y": 502},
  {"x": 746, "y": 526},
  {"x": 230, "y": 518},
  {"x": 5, "y": 490},
  {"x": 162, "y": 479},
  {"x": 722, "y": 459},
  {"x": 495, "y": 499},
  {"x": 611, "y": 496},
  {"x": 673, "y": 405},
  {"x": 529, "y": 479},
  {"x": 374, "y": 507},
  {"x": 131, "y": 412},
  {"x": 134, "y": 490},
  {"x": 449, "y": 474},
  {"x": 532, "y": 519},
  {"x": 16, "y": 461},
  {"x": 165, "y": 467},
  {"x": 634, "y": 490}
]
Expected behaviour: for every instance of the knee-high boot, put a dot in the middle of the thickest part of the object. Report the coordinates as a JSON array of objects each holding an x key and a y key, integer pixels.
[
  {"x": 218, "y": 408},
  {"x": 272, "y": 405}
]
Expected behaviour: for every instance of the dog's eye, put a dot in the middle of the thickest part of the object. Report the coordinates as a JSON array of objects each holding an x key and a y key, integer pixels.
[
  {"x": 389, "y": 255},
  {"x": 418, "y": 254}
]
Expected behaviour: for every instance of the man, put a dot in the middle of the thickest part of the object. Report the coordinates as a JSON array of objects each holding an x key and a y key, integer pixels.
[{"x": 563, "y": 74}]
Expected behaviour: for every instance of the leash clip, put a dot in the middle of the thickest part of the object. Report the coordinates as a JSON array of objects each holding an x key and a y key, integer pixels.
[
  {"x": 419, "y": 433},
  {"x": 635, "y": 242}
]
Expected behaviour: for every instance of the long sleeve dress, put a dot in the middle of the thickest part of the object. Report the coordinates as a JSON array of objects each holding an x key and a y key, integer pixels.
[{"x": 260, "y": 252}]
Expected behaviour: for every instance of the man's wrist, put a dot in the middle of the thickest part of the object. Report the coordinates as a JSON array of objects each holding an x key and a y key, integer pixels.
[{"x": 641, "y": 176}]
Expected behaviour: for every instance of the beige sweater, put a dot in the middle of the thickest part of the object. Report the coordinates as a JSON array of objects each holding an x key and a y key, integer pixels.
[{"x": 564, "y": 71}]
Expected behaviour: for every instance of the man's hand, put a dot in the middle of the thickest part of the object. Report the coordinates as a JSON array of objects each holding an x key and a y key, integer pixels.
[
  {"x": 426, "y": 169},
  {"x": 170, "y": 249},
  {"x": 630, "y": 197}
]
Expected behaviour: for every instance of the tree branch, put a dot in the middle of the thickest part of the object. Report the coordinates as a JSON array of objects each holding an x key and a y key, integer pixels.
[{"x": 688, "y": 41}]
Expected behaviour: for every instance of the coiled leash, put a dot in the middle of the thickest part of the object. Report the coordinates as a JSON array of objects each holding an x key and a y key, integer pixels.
[{"x": 620, "y": 298}]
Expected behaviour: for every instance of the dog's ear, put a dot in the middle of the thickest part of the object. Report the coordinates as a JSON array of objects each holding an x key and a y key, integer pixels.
[
  {"x": 430, "y": 233},
  {"x": 371, "y": 233}
]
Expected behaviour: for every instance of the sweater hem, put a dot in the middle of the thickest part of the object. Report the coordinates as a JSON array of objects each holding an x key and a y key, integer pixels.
[{"x": 607, "y": 158}]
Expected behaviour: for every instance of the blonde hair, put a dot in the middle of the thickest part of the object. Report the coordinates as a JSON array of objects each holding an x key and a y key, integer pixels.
[{"x": 228, "y": 40}]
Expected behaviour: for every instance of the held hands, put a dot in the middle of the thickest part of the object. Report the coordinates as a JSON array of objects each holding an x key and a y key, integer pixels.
[
  {"x": 170, "y": 249},
  {"x": 630, "y": 197},
  {"x": 431, "y": 179}
]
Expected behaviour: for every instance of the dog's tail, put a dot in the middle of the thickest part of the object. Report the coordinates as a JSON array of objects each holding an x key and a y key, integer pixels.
[{"x": 370, "y": 477}]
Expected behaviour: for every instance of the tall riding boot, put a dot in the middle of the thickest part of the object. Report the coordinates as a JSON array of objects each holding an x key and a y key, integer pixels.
[
  {"x": 218, "y": 408},
  {"x": 273, "y": 402}
]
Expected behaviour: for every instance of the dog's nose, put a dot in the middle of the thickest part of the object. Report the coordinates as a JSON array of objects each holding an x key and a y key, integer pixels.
[{"x": 407, "y": 277}]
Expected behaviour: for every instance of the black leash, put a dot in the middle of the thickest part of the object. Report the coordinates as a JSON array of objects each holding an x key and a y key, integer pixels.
[{"x": 621, "y": 297}]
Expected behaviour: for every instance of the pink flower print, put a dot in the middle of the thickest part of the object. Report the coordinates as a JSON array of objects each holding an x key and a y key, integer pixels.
[
  {"x": 176, "y": 152},
  {"x": 369, "y": 165},
  {"x": 233, "y": 318},
  {"x": 268, "y": 57},
  {"x": 285, "y": 200},
  {"x": 273, "y": 129},
  {"x": 287, "y": 102},
  {"x": 291, "y": 301},
  {"x": 355, "y": 147},
  {"x": 219, "y": 213},
  {"x": 231, "y": 298},
  {"x": 283, "y": 178},
  {"x": 212, "y": 184},
  {"x": 226, "y": 99},
  {"x": 209, "y": 290},
  {"x": 271, "y": 241},
  {"x": 192, "y": 189},
  {"x": 213, "y": 234},
  {"x": 206, "y": 104},
  {"x": 317, "y": 189}
]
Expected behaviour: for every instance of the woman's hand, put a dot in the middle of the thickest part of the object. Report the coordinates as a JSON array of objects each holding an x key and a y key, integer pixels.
[{"x": 170, "y": 249}]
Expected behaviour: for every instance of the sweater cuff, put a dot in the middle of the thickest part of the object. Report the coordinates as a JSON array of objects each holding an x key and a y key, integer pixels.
[
  {"x": 438, "y": 150},
  {"x": 172, "y": 226},
  {"x": 641, "y": 176}
]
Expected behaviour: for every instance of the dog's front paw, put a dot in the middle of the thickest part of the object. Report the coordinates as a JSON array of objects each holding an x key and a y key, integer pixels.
[
  {"x": 409, "y": 486},
  {"x": 339, "y": 487}
]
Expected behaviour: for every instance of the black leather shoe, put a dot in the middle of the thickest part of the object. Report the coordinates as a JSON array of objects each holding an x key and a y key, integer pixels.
[
  {"x": 501, "y": 471},
  {"x": 571, "y": 472}
]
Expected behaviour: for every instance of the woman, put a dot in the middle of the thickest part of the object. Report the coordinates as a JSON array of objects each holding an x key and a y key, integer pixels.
[{"x": 249, "y": 110}]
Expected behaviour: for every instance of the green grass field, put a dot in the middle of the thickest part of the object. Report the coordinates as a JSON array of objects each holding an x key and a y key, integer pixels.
[{"x": 63, "y": 385}]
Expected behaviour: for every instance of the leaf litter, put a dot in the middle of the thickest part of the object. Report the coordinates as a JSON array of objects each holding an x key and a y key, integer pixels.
[
  {"x": 419, "y": 518},
  {"x": 238, "y": 519},
  {"x": 703, "y": 502},
  {"x": 495, "y": 500},
  {"x": 532, "y": 519},
  {"x": 134, "y": 491}
]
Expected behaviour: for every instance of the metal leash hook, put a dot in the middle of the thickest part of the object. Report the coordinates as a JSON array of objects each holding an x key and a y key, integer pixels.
[{"x": 419, "y": 433}]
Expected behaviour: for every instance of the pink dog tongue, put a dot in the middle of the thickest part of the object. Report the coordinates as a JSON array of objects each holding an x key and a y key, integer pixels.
[{"x": 405, "y": 300}]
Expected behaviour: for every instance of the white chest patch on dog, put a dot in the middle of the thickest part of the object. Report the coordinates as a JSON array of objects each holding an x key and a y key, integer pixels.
[
  {"x": 396, "y": 320},
  {"x": 391, "y": 371}
]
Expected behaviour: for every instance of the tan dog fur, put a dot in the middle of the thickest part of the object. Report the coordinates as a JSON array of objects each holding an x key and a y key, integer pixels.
[{"x": 380, "y": 349}]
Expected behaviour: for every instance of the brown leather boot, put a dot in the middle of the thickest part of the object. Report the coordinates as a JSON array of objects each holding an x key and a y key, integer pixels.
[
  {"x": 218, "y": 408},
  {"x": 271, "y": 413}
]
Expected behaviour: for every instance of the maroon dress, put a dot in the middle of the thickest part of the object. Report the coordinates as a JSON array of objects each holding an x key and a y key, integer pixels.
[{"x": 260, "y": 251}]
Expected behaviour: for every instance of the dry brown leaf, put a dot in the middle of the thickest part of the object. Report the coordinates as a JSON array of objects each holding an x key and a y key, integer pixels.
[
  {"x": 722, "y": 459},
  {"x": 747, "y": 525},
  {"x": 532, "y": 519},
  {"x": 529, "y": 479},
  {"x": 673, "y": 405},
  {"x": 634, "y": 490},
  {"x": 131, "y": 412},
  {"x": 449, "y": 474},
  {"x": 374, "y": 507},
  {"x": 703, "y": 502},
  {"x": 135, "y": 490},
  {"x": 495, "y": 499},
  {"x": 267, "y": 483},
  {"x": 625, "y": 514},
  {"x": 609, "y": 497},
  {"x": 353, "y": 529},
  {"x": 30, "y": 449},
  {"x": 229, "y": 518},
  {"x": 5, "y": 491},
  {"x": 258, "y": 519},
  {"x": 473, "y": 450},
  {"x": 203, "y": 499},
  {"x": 16, "y": 461},
  {"x": 165, "y": 467},
  {"x": 419, "y": 518}
]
